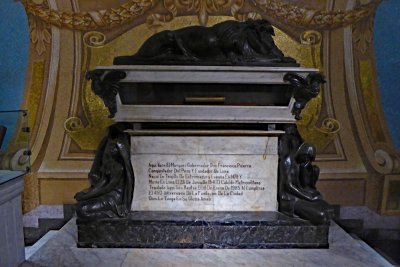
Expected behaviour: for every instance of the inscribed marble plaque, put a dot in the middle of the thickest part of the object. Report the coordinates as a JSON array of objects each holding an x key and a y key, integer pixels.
[{"x": 205, "y": 173}]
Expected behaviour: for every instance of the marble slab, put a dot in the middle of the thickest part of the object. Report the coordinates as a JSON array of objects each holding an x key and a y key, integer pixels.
[
  {"x": 204, "y": 113},
  {"x": 6, "y": 175},
  {"x": 204, "y": 173},
  {"x": 206, "y": 74}
]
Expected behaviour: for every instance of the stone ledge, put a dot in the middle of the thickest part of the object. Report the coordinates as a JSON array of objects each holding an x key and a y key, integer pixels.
[{"x": 157, "y": 229}]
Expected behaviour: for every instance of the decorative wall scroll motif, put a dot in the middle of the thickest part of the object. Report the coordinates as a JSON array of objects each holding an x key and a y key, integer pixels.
[
  {"x": 312, "y": 39},
  {"x": 322, "y": 135},
  {"x": 91, "y": 20},
  {"x": 94, "y": 39},
  {"x": 16, "y": 159},
  {"x": 386, "y": 162},
  {"x": 87, "y": 137},
  {"x": 73, "y": 124}
]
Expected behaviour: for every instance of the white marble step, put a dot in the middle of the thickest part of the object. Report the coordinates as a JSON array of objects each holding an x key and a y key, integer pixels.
[
  {"x": 30, "y": 250},
  {"x": 31, "y": 219}
]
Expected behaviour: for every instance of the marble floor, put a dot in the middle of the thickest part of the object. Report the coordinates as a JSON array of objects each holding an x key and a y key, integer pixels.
[{"x": 61, "y": 250}]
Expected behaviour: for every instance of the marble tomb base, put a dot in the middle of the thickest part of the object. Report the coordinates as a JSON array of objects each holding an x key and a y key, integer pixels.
[
  {"x": 177, "y": 229},
  {"x": 61, "y": 250}
]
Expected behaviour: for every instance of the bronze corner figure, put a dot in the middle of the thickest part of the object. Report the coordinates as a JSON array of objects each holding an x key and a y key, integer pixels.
[
  {"x": 297, "y": 194},
  {"x": 111, "y": 179}
]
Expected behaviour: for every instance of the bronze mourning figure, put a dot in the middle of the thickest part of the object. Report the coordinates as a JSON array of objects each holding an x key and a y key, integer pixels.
[
  {"x": 229, "y": 43},
  {"x": 297, "y": 193},
  {"x": 111, "y": 179}
]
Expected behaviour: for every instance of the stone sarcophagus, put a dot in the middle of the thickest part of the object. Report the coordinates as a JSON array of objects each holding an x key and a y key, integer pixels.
[{"x": 205, "y": 152}]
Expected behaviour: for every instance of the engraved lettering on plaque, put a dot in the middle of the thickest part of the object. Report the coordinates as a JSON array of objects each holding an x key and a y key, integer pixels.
[{"x": 202, "y": 176}]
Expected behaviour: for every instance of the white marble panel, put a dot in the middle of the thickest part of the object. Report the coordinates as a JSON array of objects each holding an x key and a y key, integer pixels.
[
  {"x": 212, "y": 145},
  {"x": 207, "y": 74},
  {"x": 205, "y": 173},
  {"x": 204, "y": 113}
]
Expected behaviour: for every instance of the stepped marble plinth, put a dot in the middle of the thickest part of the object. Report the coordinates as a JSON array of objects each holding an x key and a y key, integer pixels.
[{"x": 344, "y": 250}]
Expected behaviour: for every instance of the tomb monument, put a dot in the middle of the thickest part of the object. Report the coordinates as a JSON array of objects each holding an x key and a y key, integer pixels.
[{"x": 205, "y": 152}]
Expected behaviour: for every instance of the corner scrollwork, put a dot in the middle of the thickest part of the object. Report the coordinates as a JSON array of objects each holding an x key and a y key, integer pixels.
[
  {"x": 310, "y": 37},
  {"x": 304, "y": 89},
  {"x": 106, "y": 85},
  {"x": 386, "y": 163},
  {"x": 73, "y": 124}
]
